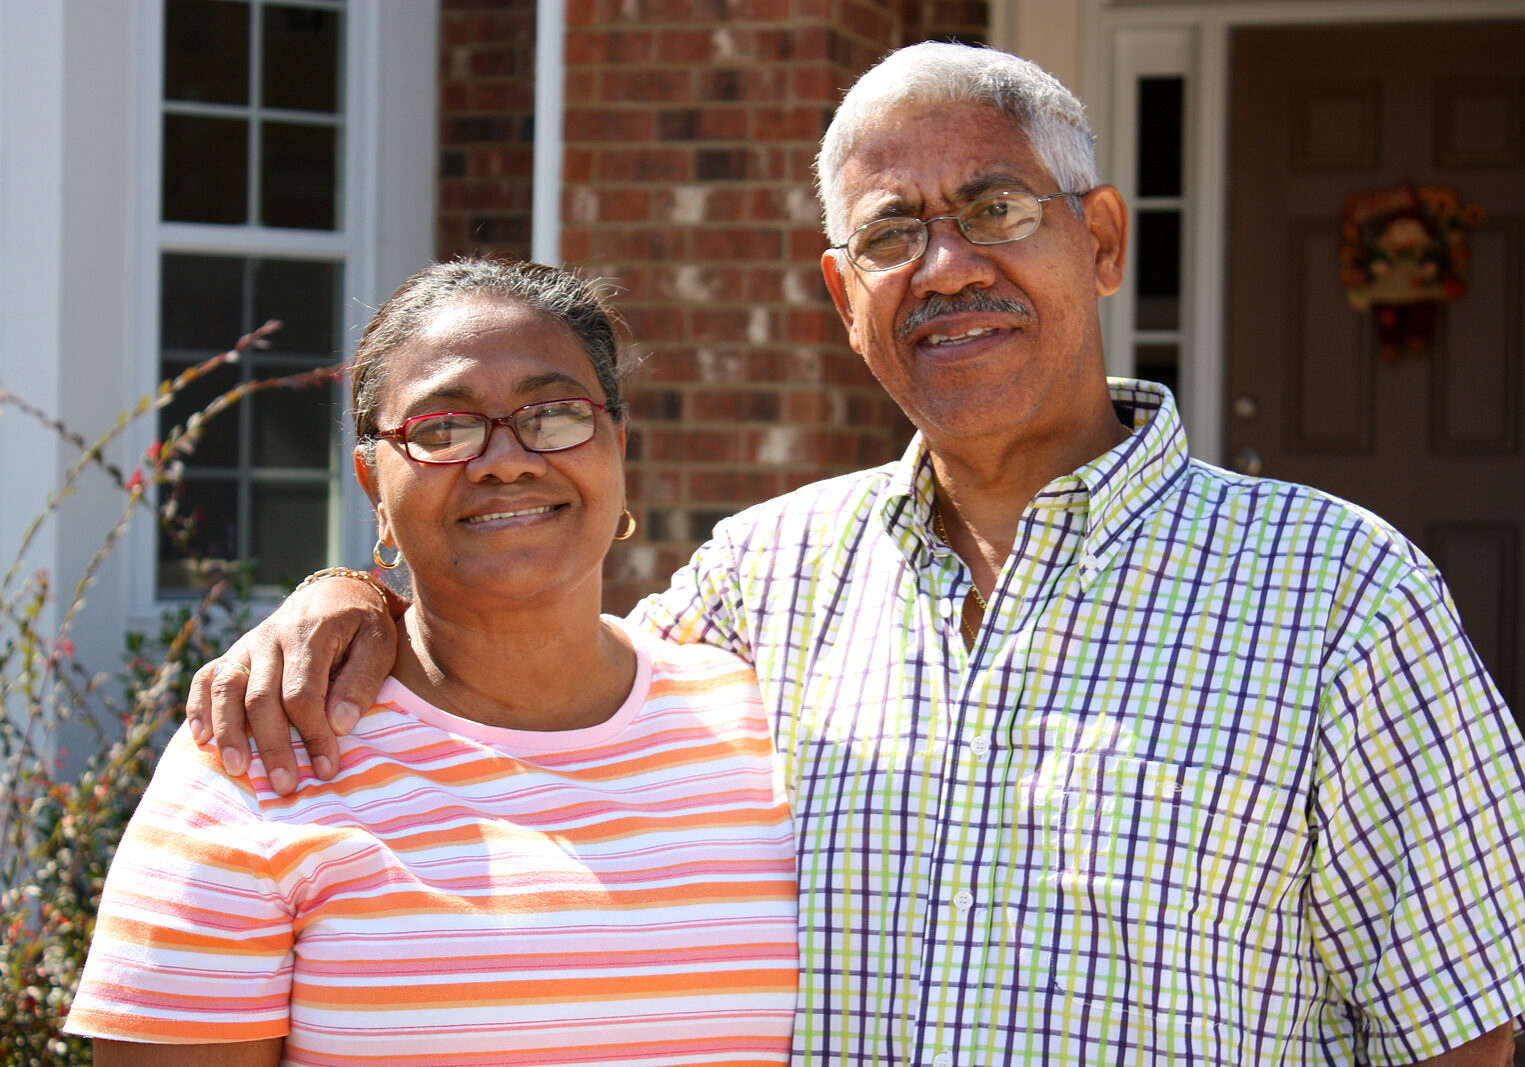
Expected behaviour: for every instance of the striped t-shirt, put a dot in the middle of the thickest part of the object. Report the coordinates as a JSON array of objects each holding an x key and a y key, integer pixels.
[{"x": 461, "y": 894}]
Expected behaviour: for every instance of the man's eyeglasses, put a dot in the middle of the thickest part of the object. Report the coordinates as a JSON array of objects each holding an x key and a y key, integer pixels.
[
  {"x": 462, "y": 436},
  {"x": 999, "y": 218}
]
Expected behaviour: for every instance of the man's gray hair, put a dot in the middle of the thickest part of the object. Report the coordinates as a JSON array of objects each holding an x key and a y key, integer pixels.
[{"x": 933, "y": 73}]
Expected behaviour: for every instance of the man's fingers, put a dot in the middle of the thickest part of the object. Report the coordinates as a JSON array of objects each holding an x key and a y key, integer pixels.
[
  {"x": 268, "y": 720},
  {"x": 225, "y": 682},
  {"x": 198, "y": 704},
  {"x": 354, "y": 688},
  {"x": 304, "y": 689}
]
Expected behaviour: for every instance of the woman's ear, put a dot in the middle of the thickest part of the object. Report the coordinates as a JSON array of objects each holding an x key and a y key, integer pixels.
[
  {"x": 363, "y": 473},
  {"x": 366, "y": 476}
]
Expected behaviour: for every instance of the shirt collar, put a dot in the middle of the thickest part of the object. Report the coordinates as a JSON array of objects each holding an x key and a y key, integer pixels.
[{"x": 1114, "y": 489}]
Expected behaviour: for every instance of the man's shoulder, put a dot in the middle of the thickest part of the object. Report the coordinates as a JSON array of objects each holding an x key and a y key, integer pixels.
[
  {"x": 1283, "y": 518},
  {"x": 828, "y": 504}
]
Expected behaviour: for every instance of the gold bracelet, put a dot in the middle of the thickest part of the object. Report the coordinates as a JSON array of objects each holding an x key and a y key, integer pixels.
[{"x": 347, "y": 572}]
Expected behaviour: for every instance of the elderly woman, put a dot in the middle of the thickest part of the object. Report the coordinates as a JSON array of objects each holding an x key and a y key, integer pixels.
[{"x": 552, "y": 840}]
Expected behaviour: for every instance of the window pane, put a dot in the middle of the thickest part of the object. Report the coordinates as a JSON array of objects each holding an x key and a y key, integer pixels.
[
  {"x": 218, "y": 444},
  {"x": 298, "y": 175},
  {"x": 295, "y": 427},
  {"x": 301, "y": 69},
  {"x": 1158, "y": 363},
  {"x": 206, "y": 52},
  {"x": 1161, "y": 122},
  {"x": 290, "y": 532},
  {"x": 201, "y": 304},
  {"x": 213, "y": 508},
  {"x": 206, "y": 169},
  {"x": 304, "y": 296},
  {"x": 1158, "y": 276}
]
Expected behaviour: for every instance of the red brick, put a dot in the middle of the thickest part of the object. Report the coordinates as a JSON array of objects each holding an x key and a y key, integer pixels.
[
  {"x": 510, "y": 95},
  {"x": 610, "y": 46},
  {"x": 750, "y": 10},
  {"x": 650, "y": 324},
  {"x": 643, "y": 165},
  {"x": 484, "y": 162},
  {"x": 698, "y": 446},
  {"x": 703, "y": 124},
  {"x": 575, "y": 245},
  {"x": 644, "y": 85},
  {"x": 733, "y": 486},
  {"x": 735, "y": 405},
  {"x": 805, "y": 246},
  {"x": 818, "y": 83},
  {"x": 685, "y": 46},
  {"x": 736, "y": 244},
  {"x": 808, "y": 326},
  {"x": 653, "y": 485},
  {"x": 637, "y": 243},
  {"x": 604, "y": 125},
  {"x": 790, "y": 124},
  {"x": 720, "y": 324}
]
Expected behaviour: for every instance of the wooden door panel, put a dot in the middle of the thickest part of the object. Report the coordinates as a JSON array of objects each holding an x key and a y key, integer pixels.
[
  {"x": 1477, "y": 354},
  {"x": 1431, "y": 440},
  {"x": 1482, "y": 567},
  {"x": 1329, "y": 379}
]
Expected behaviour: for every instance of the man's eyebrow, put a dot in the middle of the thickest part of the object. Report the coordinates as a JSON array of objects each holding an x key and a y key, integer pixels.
[
  {"x": 897, "y": 206},
  {"x": 985, "y": 184}
]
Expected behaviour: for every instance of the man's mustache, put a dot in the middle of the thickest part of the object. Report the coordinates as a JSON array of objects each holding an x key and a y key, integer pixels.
[{"x": 968, "y": 300}]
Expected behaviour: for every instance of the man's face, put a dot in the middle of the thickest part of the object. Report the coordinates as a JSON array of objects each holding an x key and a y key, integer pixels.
[{"x": 998, "y": 342}]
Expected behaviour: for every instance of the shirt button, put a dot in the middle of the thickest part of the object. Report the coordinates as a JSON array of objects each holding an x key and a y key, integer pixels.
[
  {"x": 963, "y": 900},
  {"x": 943, "y": 1059},
  {"x": 980, "y": 746},
  {"x": 945, "y": 608}
]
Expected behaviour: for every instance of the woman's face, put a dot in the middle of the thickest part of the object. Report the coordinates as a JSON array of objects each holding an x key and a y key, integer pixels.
[{"x": 525, "y": 526}]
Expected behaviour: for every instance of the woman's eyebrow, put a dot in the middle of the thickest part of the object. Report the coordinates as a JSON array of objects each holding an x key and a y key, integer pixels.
[{"x": 463, "y": 397}]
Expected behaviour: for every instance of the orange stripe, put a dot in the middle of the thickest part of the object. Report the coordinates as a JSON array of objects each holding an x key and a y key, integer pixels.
[
  {"x": 137, "y": 932},
  {"x": 538, "y": 989}
]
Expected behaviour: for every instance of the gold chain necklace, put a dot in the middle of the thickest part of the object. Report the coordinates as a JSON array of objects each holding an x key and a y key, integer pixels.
[{"x": 942, "y": 534}]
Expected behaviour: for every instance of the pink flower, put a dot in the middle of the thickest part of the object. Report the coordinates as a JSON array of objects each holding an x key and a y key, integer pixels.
[{"x": 136, "y": 481}]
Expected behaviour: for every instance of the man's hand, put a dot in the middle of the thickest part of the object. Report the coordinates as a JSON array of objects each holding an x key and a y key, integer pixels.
[{"x": 314, "y": 664}]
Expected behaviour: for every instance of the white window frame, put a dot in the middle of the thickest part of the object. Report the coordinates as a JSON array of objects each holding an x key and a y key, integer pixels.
[{"x": 386, "y": 231}]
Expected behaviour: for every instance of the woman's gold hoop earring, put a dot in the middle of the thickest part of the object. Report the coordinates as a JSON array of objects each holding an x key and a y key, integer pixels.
[
  {"x": 629, "y": 526},
  {"x": 383, "y": 564}
]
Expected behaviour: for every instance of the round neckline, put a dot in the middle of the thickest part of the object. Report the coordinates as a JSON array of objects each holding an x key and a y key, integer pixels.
[{"x": 403, "y": 699}]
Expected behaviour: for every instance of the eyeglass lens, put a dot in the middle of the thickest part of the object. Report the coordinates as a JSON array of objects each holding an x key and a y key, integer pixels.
[
  {"x": 886, "y": 243},
  {"x": 453, "y": 437}
]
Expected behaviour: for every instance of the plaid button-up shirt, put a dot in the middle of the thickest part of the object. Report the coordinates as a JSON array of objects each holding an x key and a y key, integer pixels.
[{"x": 1221, "y": 781}]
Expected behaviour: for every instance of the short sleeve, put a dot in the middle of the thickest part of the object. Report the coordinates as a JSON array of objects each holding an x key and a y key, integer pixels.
[
  {"x": 702, "y": 605},
  {"x": 1418, "y": 896},
  {"x": 193, "y": 941}
]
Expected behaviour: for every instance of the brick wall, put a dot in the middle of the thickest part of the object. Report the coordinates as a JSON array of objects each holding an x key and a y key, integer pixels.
[
  {"x": 690, "y": 128},
  {"x": 487, "y": 126}
]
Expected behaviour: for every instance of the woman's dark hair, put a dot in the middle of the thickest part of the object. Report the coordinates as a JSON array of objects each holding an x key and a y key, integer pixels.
[{"x": 560, "y": 294}]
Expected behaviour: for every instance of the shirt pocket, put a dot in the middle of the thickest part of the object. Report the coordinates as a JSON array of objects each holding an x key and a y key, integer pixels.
[{"x": 1184, "y": 881}]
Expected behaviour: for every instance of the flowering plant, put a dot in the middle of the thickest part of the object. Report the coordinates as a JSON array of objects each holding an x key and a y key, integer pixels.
[{"x": 61, "y": 818}]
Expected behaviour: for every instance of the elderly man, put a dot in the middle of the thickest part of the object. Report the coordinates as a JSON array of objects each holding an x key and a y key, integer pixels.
[{"x": 1098, "y": 754}]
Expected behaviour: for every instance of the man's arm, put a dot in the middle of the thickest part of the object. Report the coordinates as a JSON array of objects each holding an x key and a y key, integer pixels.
[
  {"x": 265, "y": 1053},
  {"x": 1493, "y": 1049},
  {"x": 314, "y": 664}
]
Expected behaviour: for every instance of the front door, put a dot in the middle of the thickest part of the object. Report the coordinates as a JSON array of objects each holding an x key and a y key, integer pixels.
[{"x": 1420, "y": 420}]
